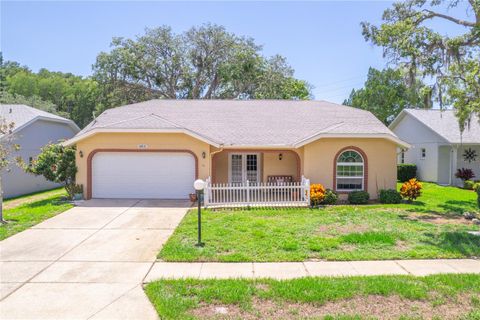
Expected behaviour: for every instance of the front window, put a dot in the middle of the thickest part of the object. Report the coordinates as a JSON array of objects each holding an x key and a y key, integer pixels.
[{"x": 350, "y": 171}]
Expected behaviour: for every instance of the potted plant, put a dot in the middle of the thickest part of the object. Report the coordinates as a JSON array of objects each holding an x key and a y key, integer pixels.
[{"x": 77, "y": 192}]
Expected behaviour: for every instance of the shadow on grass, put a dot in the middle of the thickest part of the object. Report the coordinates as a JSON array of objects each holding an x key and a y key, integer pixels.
[
  {"x": 457, "y": 206},
  {"x": 41, "y": 203},
  {"x": 456, "y": 242},
  {"x": 450, "y": 207},
  {"x": 434, "y": 217}
]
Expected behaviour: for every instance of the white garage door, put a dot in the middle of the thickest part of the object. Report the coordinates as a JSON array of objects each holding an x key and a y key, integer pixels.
[{"x": 149, "y": 175}]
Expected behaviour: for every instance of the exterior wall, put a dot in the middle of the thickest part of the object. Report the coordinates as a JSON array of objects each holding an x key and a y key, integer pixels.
[
  {"x": 419, "y": 136},
  {"x": 272, "y": 166},
  {"x": 31, "y": 138},
  {"x": 132, "y": 141},
  {"x": 461, "y": 163},
  {"x": 320, "y": 158},
  {"x": 269, "y": 163},
  {"x": 220, "y": 167}
]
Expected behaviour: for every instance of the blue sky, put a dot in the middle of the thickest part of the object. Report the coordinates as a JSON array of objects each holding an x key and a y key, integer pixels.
[{"x": 321, "y": 40}]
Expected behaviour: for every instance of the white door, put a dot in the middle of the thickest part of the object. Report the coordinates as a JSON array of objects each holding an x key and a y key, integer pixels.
[
  {"x": 243, "y": 167},
  {"x": 142, "y": 175}
]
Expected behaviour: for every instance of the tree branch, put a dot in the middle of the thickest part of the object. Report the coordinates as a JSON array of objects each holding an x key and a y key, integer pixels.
[{"x": 432, "y": 14}]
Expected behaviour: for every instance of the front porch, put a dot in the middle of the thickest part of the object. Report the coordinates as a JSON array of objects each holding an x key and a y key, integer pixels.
[
  {"x": 454, "y": 157},
  {"x": 256, "y": 166},
  {"x": 256, "y": 178},
  {"x": 259, "y": 194}
]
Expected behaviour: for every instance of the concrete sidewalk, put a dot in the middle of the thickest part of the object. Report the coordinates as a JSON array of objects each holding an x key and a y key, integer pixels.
[{"x": 289, "y": 270}]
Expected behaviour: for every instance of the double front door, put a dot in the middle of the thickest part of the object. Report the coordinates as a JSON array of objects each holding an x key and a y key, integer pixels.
[{"x": 243, "y": 167}]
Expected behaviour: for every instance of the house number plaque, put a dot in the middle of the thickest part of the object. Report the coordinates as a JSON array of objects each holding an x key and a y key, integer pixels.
[{"x": 143, "y": 146}]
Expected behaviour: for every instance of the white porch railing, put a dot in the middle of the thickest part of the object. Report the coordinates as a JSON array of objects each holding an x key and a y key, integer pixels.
[{"x": 286, "y": 194}]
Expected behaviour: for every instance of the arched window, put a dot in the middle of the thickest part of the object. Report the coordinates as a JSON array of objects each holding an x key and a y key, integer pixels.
[{"x": 350, "y": 171}]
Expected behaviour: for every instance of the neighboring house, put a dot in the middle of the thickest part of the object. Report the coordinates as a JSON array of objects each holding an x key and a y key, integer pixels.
[
  {"x": 33, "y": 129},
  {"x": 438, "y": 147},
  {"x": 157, "y": 148}
]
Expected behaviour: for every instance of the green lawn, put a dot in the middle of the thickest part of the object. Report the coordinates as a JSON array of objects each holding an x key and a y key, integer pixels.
[
  {"x": 38, "y": 208},
  {"x": 382, "y": 297},
  {"x": 431, "y": 227}
]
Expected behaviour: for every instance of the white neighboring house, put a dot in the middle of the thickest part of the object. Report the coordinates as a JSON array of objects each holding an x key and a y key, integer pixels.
[
  {"x": 33, "y": 129},
  {"x": 438, "y": 147}
]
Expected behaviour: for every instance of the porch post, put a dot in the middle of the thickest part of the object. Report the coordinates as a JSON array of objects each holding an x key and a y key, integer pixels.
[
  {"x": 453, "y": 165},
  {"x": 206, "y": 193}
]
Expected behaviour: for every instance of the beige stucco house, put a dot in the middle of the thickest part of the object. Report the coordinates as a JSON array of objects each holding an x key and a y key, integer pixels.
[{"x": 157, "y": 148}]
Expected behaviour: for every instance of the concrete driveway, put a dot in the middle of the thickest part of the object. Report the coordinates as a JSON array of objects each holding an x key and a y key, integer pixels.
[{"x": 88, "y": 262}]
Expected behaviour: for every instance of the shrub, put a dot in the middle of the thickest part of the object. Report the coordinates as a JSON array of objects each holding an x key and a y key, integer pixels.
[
  {"x": 317, "y": 194},
  {"x": 358, "y": 197},
  {"x": 390, "y": 196},
  {"x": 411, "y": 189},
  {"x": 478, "y": 195},
  {"x": 465, "y": 174},
  {"x": 406, "y": 171},
  {"x": 468, "y": 184},
  {"x": 476, "y": 187},
  {"x": 331, "y": 197}
]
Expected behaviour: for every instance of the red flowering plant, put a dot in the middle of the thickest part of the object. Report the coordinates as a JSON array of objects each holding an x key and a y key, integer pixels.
[{"x": 465, "y": 174}]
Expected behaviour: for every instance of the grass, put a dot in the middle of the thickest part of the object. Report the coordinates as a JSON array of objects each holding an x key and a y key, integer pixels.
[
  {"x": 431, "y": 227},
  {"x": 179, "y": 299},
  {"x": 31, "y": 212},
  {"x": 26, "y": 198}
]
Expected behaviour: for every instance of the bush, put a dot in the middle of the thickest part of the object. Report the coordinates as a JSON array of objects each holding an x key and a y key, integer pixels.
[
  {"x": 411, "y": 189},
  {"x": 406, "y": 172},
  {"x": 476, "y": 187},
  {"x": 465, "y": 174},
  {"x": 317, "y": 194},
  {"x": 478, "y": 195},
  {"x": 358, "y": 197},
  {"x": 331, "y": 197},
  {"x": 468, "y": 184},
  {"x": 390, "y": 196}
]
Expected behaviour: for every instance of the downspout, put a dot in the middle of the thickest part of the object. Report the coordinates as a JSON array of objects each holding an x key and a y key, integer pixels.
[
  {"x": 212, "y": 154},
  {"x": 450, "y": 167}
]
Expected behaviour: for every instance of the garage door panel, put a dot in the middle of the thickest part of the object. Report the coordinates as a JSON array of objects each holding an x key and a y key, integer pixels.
[{"x": 149, "y": 175}]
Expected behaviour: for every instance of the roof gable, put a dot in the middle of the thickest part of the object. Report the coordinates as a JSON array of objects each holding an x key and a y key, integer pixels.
[
  {"x": 444, "y": 123},
  {"x": 22, "y": 115}
]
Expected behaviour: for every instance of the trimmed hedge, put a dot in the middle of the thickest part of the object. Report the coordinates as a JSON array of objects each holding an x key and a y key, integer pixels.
[
  {"x": 390, "y": 196},
  {"x": 406, "y": 171},
  {"x": 358, "y": 197}
]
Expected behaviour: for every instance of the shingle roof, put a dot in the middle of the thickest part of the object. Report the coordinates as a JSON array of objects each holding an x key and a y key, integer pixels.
[
  {"x": 21, "y": 114},
  {"x": 445, "y": 123},
  {"x": 243, "y": 122}
]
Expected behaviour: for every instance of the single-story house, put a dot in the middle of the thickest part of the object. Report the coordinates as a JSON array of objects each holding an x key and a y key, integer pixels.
[
  {"x": 157, "y": 148},
  {"x": 439, "y": 148},
  {"x": 33, "y": 129}
]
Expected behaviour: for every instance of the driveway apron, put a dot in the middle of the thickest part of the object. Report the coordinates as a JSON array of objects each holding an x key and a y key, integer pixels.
[{"x": 88, "y": 262}]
